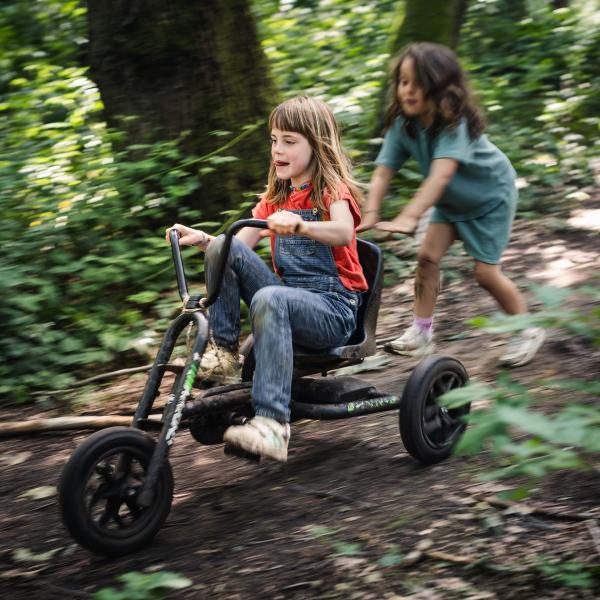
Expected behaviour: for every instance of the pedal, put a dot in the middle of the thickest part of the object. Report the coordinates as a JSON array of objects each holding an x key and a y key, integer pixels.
[{"x": 239, "y": 452}]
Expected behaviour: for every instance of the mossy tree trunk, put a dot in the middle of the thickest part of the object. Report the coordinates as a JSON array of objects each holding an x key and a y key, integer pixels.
[
  {"x": 186, "y": 66},
  {"x": 429, "y": 21}
]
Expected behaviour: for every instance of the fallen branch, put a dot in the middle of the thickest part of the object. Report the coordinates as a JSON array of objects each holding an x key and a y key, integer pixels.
[
  {"x": 423, "y": 551},
  {"x": 527, "y": 509},
  {"x": 331, "y": 495},
  {"x": 93, "y": 379},
  {"x": 66, "y": 423}
]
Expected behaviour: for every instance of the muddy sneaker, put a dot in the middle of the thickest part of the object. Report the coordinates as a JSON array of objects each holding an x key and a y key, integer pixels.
[
  {"x": 220, "y": 364},
  {"x": 523, "y": 347},
  {"x": 413, "y": 342},
  {"x": 263, "y": 436}
]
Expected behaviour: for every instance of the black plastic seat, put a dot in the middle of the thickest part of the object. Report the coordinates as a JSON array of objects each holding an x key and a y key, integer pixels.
[{"x": 362, "y": 343}]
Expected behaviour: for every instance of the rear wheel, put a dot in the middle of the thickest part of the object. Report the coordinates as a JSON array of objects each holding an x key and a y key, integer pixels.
[
  {"x": 98, "y": 492},
  {"x": 429, "y": 430}
]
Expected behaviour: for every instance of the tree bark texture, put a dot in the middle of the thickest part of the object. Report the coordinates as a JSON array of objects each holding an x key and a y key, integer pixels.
[
  {"x": 181, "y": 65},
  {"x": 429, "y": 21}
]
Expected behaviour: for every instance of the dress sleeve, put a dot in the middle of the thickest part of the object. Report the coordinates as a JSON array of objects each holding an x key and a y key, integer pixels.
[
  {"x": 454, "y": 143},
  {"x": 393, "y": 153}
]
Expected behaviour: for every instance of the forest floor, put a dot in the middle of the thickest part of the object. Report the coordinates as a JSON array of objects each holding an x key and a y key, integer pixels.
[{"x": 335, "y": 520}]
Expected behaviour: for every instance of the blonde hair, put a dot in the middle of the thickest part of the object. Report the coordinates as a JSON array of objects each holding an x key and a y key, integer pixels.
[{"x": 330, "y": 166}]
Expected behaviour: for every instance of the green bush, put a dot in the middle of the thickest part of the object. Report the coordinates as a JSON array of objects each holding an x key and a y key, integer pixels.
[
  {"x": 523, "y": 440},
  {"x": 86, "y": 279}
]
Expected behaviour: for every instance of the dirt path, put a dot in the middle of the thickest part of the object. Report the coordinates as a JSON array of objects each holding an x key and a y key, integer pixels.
[{"x": 334, "y": 521}]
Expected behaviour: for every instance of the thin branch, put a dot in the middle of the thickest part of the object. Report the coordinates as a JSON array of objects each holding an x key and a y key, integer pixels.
[
  {"x": 332, "y": 495},
  {"x": 66, "y": 423},
  {"x": 532, "y": 510},
  {"x": 100, "y": 377}
]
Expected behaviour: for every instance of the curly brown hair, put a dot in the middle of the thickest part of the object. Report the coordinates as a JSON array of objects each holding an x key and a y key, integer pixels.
[{"x": 444, "y": 82}]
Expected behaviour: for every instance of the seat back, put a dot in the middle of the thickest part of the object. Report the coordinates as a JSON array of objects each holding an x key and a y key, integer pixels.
[
  {"x": 371, "y": 260},
  {"x": 362, "y": 342}
]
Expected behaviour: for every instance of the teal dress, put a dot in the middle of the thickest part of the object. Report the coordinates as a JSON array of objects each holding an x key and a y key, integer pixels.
[{"x": 480, "y": 200}]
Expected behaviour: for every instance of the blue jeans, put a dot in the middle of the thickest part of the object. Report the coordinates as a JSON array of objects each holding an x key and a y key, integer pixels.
[{"x": 315, "y": 312}]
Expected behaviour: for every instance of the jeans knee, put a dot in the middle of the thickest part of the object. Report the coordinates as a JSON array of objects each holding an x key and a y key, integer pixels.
[{"x": 265, "y": 302}]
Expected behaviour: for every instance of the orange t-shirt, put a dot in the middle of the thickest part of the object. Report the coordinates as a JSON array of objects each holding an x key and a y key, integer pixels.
[{"x": 345, "y": 257}]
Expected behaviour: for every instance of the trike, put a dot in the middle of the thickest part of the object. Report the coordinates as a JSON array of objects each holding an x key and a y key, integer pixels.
[{"x": 116, "y": 489}]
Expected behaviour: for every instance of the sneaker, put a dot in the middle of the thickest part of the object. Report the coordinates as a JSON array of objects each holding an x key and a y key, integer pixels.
[
  {"x": 261, "y": 435},
  {"x": 220, "y": 364},
  {"x": 413, "y": 342},
  {"x": 523, "y": 347}
]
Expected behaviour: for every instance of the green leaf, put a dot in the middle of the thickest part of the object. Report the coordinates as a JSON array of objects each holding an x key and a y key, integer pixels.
[
  {"x": 390, "y": 559},
  {"x": 346, "y": 549},
  {"x": 145, "y": 297}
]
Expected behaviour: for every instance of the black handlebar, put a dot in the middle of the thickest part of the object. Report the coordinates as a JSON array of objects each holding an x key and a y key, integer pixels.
[
  {"x": 221, "y": 260},
  {"x": 178, "y": 262}
]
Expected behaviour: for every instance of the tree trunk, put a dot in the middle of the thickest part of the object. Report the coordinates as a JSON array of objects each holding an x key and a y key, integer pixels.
[
  {"x": 185, "y": 66},
  {"x": 429, "y": 21},
  {"x": 459, "y": 15}
]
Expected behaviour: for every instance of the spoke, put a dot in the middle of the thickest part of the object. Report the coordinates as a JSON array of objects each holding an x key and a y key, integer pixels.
[
  {"x": 102, "y": 493},
  {"x": 432, "y": 426},
  {"x": 123, "y": 467},
  {"x": 111, "y": 511},
  {"x": 438, "y": 388},
  {"x": 450, "y": 383},
  {"x": 133, "y": 507},
  {"x": 431, "y": 410}
]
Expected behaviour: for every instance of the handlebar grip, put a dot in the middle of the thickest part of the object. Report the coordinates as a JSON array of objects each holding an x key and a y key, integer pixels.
[
  {"x": 178, "y": 262},
  {"x": 221, "y": 260},
  {"x": 223, "y": 255}
]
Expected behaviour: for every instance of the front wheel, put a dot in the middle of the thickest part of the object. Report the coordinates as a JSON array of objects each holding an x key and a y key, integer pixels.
[
  {"x": 429, "y": 430},
  {"x": 98, "y": 492}
]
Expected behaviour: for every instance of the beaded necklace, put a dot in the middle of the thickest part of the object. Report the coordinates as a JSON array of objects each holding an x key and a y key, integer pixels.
[{"x": 299, "y": 188}]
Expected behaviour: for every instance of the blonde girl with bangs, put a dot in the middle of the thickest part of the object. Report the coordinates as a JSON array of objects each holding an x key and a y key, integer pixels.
[
  {"x": 311, "y": 206},
  {"x": 331, "y": 168},
  {"x": 469, "y": 182}
]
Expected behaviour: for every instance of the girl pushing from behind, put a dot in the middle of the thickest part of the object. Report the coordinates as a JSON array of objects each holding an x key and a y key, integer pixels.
[
  {"x": 311, "y": 209},
  {"x": 469, "y": 182}
]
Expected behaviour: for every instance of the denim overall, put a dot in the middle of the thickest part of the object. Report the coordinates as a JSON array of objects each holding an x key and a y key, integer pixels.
[{"x": 308, "y": 306}]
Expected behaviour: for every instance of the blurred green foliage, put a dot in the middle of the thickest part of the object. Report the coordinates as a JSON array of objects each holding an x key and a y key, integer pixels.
[
  {"x": 86, "y": 278},
  {"x": 85, "y": 265},
  {"x": 522, "y": 439},
  {"x": 144, "y": 586},
  {"x": 538, "y": 81}
]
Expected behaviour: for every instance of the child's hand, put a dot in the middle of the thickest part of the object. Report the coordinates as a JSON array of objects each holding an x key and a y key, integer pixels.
[
  {"x": 189, "y": 236},
  {"x": 401, "y": 224},
  {"x": 368, "y": 221},
  {"x": 284, "y": 222}
]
